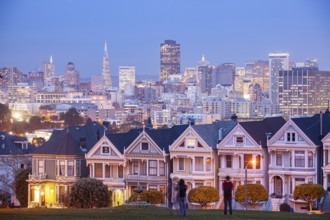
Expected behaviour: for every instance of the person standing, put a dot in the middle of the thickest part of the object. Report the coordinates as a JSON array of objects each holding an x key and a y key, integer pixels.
[
  {"x": 182, "y": 191},
  {"x": 227, "y": 187}
]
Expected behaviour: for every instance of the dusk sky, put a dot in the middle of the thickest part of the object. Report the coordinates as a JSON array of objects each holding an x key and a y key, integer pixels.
[{"x": 225, "y": 31}]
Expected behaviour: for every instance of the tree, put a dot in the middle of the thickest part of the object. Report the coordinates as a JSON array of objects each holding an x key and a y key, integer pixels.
[
  {"x": 89, "y": 193},
  {"x": 5, "y": 118},
  {"x": 35, "y": 123},
  {"x": 309, "y": 192},
  {"x": 203, "y": 195},
  {"x": 21, "y": 186},
  {"x": 72, "y": 118},
  {"x": 255, "y": 194}
]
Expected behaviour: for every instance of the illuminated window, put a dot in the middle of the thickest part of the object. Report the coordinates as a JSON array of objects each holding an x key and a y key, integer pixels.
[
  {"x": 190, "y": 142},
  {"x": 208, "y": 164},
  {"x": 199, "y": 164}
]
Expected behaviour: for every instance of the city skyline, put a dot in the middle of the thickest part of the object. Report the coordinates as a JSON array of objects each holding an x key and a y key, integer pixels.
[{"x": 224, "y": 31}]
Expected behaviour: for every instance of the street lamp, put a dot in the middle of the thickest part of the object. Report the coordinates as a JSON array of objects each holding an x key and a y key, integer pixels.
[{"x": 245, "y": 183}]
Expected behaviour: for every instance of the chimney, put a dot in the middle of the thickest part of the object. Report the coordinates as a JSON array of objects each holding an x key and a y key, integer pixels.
[{"x": 220, "y": 135}]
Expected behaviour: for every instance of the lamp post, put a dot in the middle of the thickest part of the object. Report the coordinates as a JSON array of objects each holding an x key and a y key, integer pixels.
[{"x": 245, "y": 184}]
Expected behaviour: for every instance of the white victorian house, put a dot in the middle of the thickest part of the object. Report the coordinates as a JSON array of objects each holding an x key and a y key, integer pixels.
[
  {"x": 245, "y": 148},
  {"x": 294, "y": 160},
  {"x": 106, "y": 162}
]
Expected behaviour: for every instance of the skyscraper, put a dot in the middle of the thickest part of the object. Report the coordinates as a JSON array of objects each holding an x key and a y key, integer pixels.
[
  {"x": 169, "y": 59},
  {"x": 107, "y": 84},
  {"x": 127, "y": 79},
  {"x": 277, "y": 62},
  {"x": 303, "y": 91},
  {"x": 72, "y": 76},
  {"x": 49, "y": 71}
]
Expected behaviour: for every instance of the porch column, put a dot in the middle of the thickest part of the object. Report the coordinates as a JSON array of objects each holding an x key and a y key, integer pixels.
[
  {"x": 306, "y": 158},
  {"x": 29, "y": 196},
  {"x": 158, "y": 172},
  {"x": 103, "y": 170}
]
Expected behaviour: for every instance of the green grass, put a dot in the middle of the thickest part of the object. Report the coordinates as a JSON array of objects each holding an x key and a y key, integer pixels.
[{"x": 145, "y": 213}]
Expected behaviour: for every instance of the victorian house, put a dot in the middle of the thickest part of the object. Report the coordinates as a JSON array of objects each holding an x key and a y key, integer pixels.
[
  {"x": 59, "y": 163},
  {"x": 14, "y": 155},
  {"x": 295, "y": 153},
  {"x": 193, "y": 154},
  {"x": 244, "y": 148},
  {"x": 140, "y": 157}
]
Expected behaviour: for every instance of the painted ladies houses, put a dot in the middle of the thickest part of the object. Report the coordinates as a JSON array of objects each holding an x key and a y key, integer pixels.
[
  {"x": 296, "y": 156},
  {"x": 245, "y": 143},
  {"x": 193, "y": 153},
  {"x": 139, "y": 157},
  {"x": 59, "y": 163},
  {"x": 14, "y": 155}
]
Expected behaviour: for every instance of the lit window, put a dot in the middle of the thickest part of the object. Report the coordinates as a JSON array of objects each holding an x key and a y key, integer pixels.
[
  {"x": 199, "y": 164},
  {"x": 190, "y": 142},
  {"x": 208, "y": 164}
]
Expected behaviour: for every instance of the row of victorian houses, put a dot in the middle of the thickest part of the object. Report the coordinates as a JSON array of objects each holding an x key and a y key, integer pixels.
[{"x": 286, "y": 153}]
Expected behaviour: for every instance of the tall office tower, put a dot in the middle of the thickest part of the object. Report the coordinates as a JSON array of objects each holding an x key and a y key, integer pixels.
[
  {"x": 224, "y": 74},
  {"x": 97, "y": 83},
  {"x": 205, "y": 73},
  {"x": 303, "y": 91},
  {"x": 72, "y": 76},
  {"x": 127, "y": 79},
  {"x": 107, "y": 83},
  {"x": 169, "y": 59},
  {"x": 36, "y": 79},
  {"x": 277, "y": 62},
  {"x": 238, "y": 79},
  {"x": 10, "y": 76},
  {"x": 49, "y": 70}
]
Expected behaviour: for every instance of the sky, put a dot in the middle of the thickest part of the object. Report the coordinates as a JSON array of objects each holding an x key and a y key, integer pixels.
[{"x": 223, "y": 30}]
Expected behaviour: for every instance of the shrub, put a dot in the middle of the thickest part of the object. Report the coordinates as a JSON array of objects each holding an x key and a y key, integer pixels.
[
  {"x": 284, "y": 207},
  {"x": 203, "y": 195},
  {"x": 309, "y": 193},
  {"x": 89, "y": 193},
  {"x": 150, "y": 196},
  {"x": 255, "y": 194}
]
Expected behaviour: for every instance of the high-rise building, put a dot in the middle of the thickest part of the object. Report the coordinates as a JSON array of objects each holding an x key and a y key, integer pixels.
[
  {"x": 169, "y": 59},
  {"x": 107, "y": 83},
  {"x": 303, "y": 91},
  {"x": 224, "y": 74},
  {"x": 97, "y": 83},
  {"x": 72, "y": 76},
  {"x": 49, "y": 71},
  {"x": 10, "y": 76},
  {"x": 277, "y": 62},
  {"x": 127, "y": 79}
]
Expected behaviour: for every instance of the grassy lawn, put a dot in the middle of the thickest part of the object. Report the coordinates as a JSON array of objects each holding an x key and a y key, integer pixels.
[{"x": 145, "y": 213}]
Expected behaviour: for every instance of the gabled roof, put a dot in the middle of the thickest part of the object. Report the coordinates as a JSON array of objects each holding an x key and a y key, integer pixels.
[
  {"x": 259, "y": 129},
  {"x": 311, "y": 126},
  {"x": 162, "y": 137},
  {"x": 67, "y": 141},
  {"x": 210, "y": 132},
  {"x": 165, "y": 137},
  {"x": 9, "y": 147}
]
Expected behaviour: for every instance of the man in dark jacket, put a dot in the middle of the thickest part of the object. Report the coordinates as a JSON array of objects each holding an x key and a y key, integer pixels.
[{"x": 227, "y": 187}]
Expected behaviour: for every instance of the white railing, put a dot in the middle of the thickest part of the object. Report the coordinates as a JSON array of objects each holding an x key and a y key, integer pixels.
[
  {"x": 145, "y": 178},
  {"x": 38, "y": 176}
]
